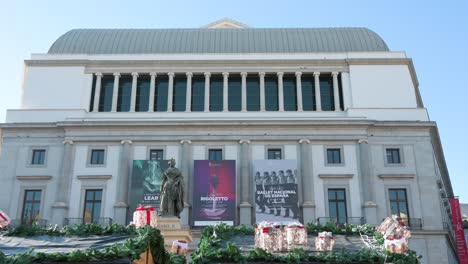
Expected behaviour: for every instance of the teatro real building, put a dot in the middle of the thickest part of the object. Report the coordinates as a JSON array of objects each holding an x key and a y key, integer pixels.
[{"x": 328, "y": 123}]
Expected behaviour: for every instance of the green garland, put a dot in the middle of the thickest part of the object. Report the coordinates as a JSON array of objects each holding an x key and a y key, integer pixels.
[
  {"x": 75, "y": 230},
  {"x": 210, "y": 248},
  {"x": 131, "y": 248}
]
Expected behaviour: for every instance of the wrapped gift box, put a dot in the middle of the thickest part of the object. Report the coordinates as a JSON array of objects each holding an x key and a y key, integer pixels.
[
  {"x": 4, "y": 219},
  {"x": 396, "y": 245},
  {"x": 179, "y": 247},
  {"x": 269, "y": 237},
  {"x": 145, "y": 216},
  {"x": 296, "y": 235},
  {"x": 324, "y": 241}
]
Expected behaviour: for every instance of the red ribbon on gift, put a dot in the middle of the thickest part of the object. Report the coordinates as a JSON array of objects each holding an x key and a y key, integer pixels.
[
  {"x": 3, "y": 217},
  {"x": 148, "y": 210},
  {"x": 265, "y": 230}
]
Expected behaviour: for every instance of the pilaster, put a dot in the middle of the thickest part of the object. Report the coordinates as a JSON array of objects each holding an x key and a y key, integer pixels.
[
  {"x": 123, "y": 180},
  {"x": 97, "y": 92},
  {"x": 246, "y": 191}
]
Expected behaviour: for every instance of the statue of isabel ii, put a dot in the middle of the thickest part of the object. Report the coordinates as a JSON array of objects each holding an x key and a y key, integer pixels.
[{"x": 172, "y": 191}]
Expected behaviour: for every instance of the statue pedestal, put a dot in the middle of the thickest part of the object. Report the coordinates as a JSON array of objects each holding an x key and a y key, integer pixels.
[{"x": 171, "y": 230}]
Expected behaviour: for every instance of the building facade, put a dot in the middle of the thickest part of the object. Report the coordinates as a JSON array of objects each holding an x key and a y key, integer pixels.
[{"x": 336, "y": 100}]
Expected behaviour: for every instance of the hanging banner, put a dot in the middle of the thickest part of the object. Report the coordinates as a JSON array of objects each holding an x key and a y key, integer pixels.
[
  {"x": 275, "y": 187},
  {"x": 214, "y": 192},
  {"x": 459, "y": 233},
  {"x": 145, "y": 183}
]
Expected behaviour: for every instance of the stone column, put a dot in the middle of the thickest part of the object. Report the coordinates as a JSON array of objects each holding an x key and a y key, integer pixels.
[
  {"x": 299, "y": 91},
  {"x": 97, "y": 92},
  {"x": 115, "y": 92},
  {"x": 244, "y": 91},
  {"x": 225, "y": 91},
  {"x": 170, "y": 92},
  {"x": 134, "y": 91},
  {"x": 336, "y": 93},
  {"x": 246, "y": 189},
  {"x": 280, "y": 92},
  {"x": 366, "y": 182},
  {"x": 62, "y": 199},
  {"x": 152, "y": 90},
  {"x": 185, "y": 159},
  {"x": 262, "y": 91},
  {"x": 308, "y": 204},
  {"x": 318, "y": 98},
  {"x": 123, "y": 177},
  {"x": 207, "y": 91},
  {"x": 188, "y": 100}
]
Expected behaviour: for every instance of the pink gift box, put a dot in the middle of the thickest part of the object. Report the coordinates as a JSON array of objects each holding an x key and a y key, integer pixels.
[
  {"x": 145, "y": 216},
  {"x": 4, "y": 219}
]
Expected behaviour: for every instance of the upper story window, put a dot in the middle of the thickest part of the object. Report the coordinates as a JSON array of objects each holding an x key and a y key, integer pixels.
[
  {"x": 234, "y": 92},
  {"x": 274, "y": 154},
  {"x": 97, "y": 157},
  {"x": 156, "y": 154},
  {"x": 198, "y": 93},
  {"x": 105, "y": 97},
  {"x": 216, "y": 93},
  {"x": 393, "y": 156},
  {"x": 179, "y": 93},
  {"x": 143, "y": 93},
  {"x": 253, "y": 92},
  {"x": 161, "y": 91},
  {"x": 334, "y": 156},
  {"x": 271, "y": 93},
  {"x": 308, "y": 92},
  {"x": 38, "y": 157},
  {"x": 215, "y": 154},
  {"x": 289, "y": 91},
  {"x": 124, "y": 93},
  {"x": 31, "y": 206},
  {"x": 326, "y": 92}
]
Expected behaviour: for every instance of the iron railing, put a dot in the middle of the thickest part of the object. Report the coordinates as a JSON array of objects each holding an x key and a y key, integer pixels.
[
  {"x": 28, "y": 222},
  {"x": 342, "y": 220},
  {"x": 75, "y": 221}
]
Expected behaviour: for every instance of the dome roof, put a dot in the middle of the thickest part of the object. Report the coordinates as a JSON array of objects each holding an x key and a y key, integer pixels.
[{"x": 217, "y": 40}]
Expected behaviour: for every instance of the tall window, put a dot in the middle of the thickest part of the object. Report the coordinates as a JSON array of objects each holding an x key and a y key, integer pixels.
[
  {"x": 125, "y": 93},
  {"x": 289, "y": 91},
  {"x": 142, "y": 94},
  {"x": 271, "y": 93},
  {"x": 198, "y": 93},
  {"x": 308, "y": 92},
  {"x": 92, "y": 206},
  {"x": 161, "y": 90},
  {"x": 274, "y": 154},
  {"x": 97, "y": 157},
  {"x": 253, "y": 93},
  {"x": 326, "y": 92},
  {"x": 399, "y": 203},
  {"x": 156, "y": 154},
  {"x": 216, "y": 93},
  {"x": 337, "y": 205},
  {"x": 38, "y": 157},
  {"x": 31, "y": 206},
  {"x": 235, "y": 93},
  {"x": 180, "y": 93},
  {"x": 215, "y": 154},
  {"x": 393, "y": 156},
  {"x": 105, "y": 98},
  {"x": 334, "y": 156},
  {"x": 93, "y": 92}
]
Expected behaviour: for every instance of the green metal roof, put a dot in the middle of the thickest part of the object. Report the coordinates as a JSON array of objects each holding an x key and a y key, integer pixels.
[{"x": 225, "y": 40}]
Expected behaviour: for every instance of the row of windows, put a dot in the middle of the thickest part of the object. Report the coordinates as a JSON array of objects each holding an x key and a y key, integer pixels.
[
  {"x": 216, "y": 93},
  {"x": 337, "y": 204},
  {"x": 333, "y": 155}
]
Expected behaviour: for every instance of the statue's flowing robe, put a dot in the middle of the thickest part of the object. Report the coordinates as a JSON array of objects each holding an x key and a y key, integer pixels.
[{"x": 172, "y": 202}]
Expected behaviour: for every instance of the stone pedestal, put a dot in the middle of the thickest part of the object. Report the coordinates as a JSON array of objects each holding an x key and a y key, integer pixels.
[
  {"x": 120, "y": 213},
  {"x": 245, "y": 214},
  {"x": 171, "y": 229},
  {"x": 308, "y": 212},
  {"x": 370, "y": 212},
  {"x": 59, "y": 213}
]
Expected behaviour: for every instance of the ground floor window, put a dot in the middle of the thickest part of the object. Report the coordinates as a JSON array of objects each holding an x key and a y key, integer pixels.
[
  {"x": 337, "y": 205},
  {"x": 399, "y": 203},
  {"x": 92, "y": 206},
  {"x": 31, "y": 206}
]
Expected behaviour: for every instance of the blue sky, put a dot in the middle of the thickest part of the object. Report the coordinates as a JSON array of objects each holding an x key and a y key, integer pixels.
[{"x": 433, "y": 33}]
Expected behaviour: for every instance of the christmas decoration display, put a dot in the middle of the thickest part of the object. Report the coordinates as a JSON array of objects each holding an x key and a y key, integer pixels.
[
  {"x": 145, "y": 216},
  {"x": 395, "y": 233},
  {"x": 4, "y": 219},
  {"x": 324, "y": 241},
  {"x": 179, "y": 247},
  {"x": 296, "y": 234},
  {"x": 269, "y": 236}
]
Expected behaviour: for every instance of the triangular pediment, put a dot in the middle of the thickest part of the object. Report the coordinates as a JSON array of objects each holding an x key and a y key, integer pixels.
[{"x": 226, "y": 23}]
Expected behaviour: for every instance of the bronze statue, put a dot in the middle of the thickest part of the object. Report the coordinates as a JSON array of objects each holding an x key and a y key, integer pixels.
[{"x": 172, "y": 191}]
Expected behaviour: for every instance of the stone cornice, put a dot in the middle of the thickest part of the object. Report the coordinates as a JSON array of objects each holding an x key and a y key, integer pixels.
[
  {"x": 336, "y": 176},
  {"x": 33, "y": 178},
  {"x": 389, "y": 176},
  {"x": 94, "y": 177}
]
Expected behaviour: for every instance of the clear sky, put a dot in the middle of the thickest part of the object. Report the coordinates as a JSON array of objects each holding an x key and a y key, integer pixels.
[{"x": 433, "y": 33}]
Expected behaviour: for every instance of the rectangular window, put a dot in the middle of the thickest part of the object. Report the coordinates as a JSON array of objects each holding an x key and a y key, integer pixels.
[
  {"x": 198, "y": 93},
  {"x": 124, "y": 93},
  {"x": 31, "y": 206},
  {"x": 142, "y": 94},
  {"x": 234, "y": 93},
  {"x": 107, "y": 89},
  {"x": 97, "y": 157},
  {"x": 253, "y": 93},
  {"x": 326, "y": 92},
  {"x": 393, "y": 156},
  {"x": 92, "y": 206},
  {"x": 156, "y": 154},
  {"x": 215, "y": 154},
  {"x": 289, "y": 92},
  {"x": 334, "y": 156},
  {"x": 399, "y": 203},
  {"x": 308, "y": 92},
  {"x": 160, "y": 96},
  {"x": 180, "y": 93},
  {"x": 38, "y": 157},
  {"x": 337, "y": 205},
  {"x": 274, "y": 154},
  {"x": 216, "y": 93},
  {"x": 271, "y": 93}
]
